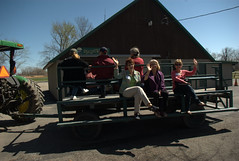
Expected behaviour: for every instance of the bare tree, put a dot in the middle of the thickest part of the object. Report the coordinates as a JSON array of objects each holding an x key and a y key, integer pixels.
[
  {"x": 20, "y": 57},
  {"x": 63, "y": 35},
  {"x": 83, "y": 26},
  {"x": 3, "y": 58},
  {"x": 236, "y": 55},
  {"x": 215, "y": 56},
  {"x": 228, "y": 54}
]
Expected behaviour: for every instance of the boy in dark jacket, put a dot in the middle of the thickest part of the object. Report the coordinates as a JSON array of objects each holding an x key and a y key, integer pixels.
[{"x": 75, "y": 74}]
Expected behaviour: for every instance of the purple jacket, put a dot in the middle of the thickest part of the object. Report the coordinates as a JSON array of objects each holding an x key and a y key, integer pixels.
[{"x": 154, "y": 84}]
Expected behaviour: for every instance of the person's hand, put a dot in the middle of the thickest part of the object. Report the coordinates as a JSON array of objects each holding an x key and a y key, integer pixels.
[
  {"x": 148, "y": 67},
  {"x": 195, "y": 62},
  {"x": 115, "y": 61}
]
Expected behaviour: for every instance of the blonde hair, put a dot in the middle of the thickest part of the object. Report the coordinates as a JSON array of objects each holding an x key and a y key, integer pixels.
[
  {"x": 154, "y": 61},
  {"x": 134, "y": 52},
  {"x": 75, "y": 55},
  {"x": 178, "y": 61}
]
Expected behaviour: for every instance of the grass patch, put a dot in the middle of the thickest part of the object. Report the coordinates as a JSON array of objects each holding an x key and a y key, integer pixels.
[{"x": 39, "y": 79}]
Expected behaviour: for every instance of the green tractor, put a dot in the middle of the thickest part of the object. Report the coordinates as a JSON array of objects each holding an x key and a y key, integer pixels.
[{"x": 18, "y": 94}]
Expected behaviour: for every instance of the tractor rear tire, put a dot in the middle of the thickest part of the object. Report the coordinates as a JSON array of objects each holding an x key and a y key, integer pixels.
[{"x": 33, "y": 105}]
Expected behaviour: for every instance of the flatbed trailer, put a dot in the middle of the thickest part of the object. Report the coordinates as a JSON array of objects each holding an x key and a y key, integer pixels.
[{"x": 88, "y": 113}]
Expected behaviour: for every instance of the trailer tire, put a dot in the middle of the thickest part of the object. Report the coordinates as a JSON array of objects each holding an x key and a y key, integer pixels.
[
  {"x": 87, "y": 132},
  {"x": 33, "y": 105},
  {"x": 195, "y": 120}
]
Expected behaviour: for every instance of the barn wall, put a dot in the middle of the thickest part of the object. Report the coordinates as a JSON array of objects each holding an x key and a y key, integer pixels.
[{"x": 130, "y": 28}]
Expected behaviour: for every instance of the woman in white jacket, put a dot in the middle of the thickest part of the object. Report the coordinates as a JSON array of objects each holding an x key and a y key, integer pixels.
[{"x": 130, "y": 86}]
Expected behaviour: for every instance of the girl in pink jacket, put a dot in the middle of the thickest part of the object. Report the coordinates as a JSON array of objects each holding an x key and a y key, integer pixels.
[{"x": 181, "y": 86}]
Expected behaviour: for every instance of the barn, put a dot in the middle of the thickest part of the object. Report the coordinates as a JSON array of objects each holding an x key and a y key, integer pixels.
[{"x": 145, "y": 24}]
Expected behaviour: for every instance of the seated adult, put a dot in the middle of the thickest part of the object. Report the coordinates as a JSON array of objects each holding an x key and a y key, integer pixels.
[
  {"x": 130, "y": 86},
  {"x": 155, "y": 86},
  {"x": 75, "y": 74},
  {"x": 181, "y": 86},
  {"x": 103, "y": 72},
  {"x": 135, "y": 55}
]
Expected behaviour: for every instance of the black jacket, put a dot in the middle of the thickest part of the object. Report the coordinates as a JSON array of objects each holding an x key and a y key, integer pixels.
[{"x": 74, "y": 74}]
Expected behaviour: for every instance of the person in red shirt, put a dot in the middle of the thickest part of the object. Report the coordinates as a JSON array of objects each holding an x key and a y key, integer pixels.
[
  {"x": 135, "y": 55},
  {"x": 180, "y": 86},
  {"x": 103, "y": 72}
]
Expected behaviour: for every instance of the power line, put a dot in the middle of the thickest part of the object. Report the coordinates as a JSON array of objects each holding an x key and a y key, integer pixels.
[{"x": 208, "y": 13}]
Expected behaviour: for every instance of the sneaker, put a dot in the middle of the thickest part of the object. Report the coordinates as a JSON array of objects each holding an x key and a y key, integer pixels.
[
  {"x": 73, "y": 98},
  {"x": 189, "y": 112},
  {"x": 84, "y": 90},
  {"x": 137, "y": 116},
  {"x": 201, "y": 104},
  {"x": 153, "y": 108}
]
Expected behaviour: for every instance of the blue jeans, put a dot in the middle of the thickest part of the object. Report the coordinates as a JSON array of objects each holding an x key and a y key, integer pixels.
[
  {"x": 75, "y": 90},
  {"x": 189, "y": 93},
  {"x": 161, "y": 103}
]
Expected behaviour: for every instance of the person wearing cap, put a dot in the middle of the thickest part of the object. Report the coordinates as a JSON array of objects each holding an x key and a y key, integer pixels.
[
  {"x": 75, "y": 74},
  {"x": 103, "y": 72},
  {"x": 139, "y": 62}
]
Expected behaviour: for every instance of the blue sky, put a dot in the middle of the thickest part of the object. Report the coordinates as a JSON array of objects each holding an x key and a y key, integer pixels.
[{"x": 30, "y": 21}]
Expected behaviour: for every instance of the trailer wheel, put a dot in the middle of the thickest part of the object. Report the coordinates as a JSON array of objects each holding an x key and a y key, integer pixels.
[
  {"x": 87, "y": 132},
  {"x": 196, "y": 120}
]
